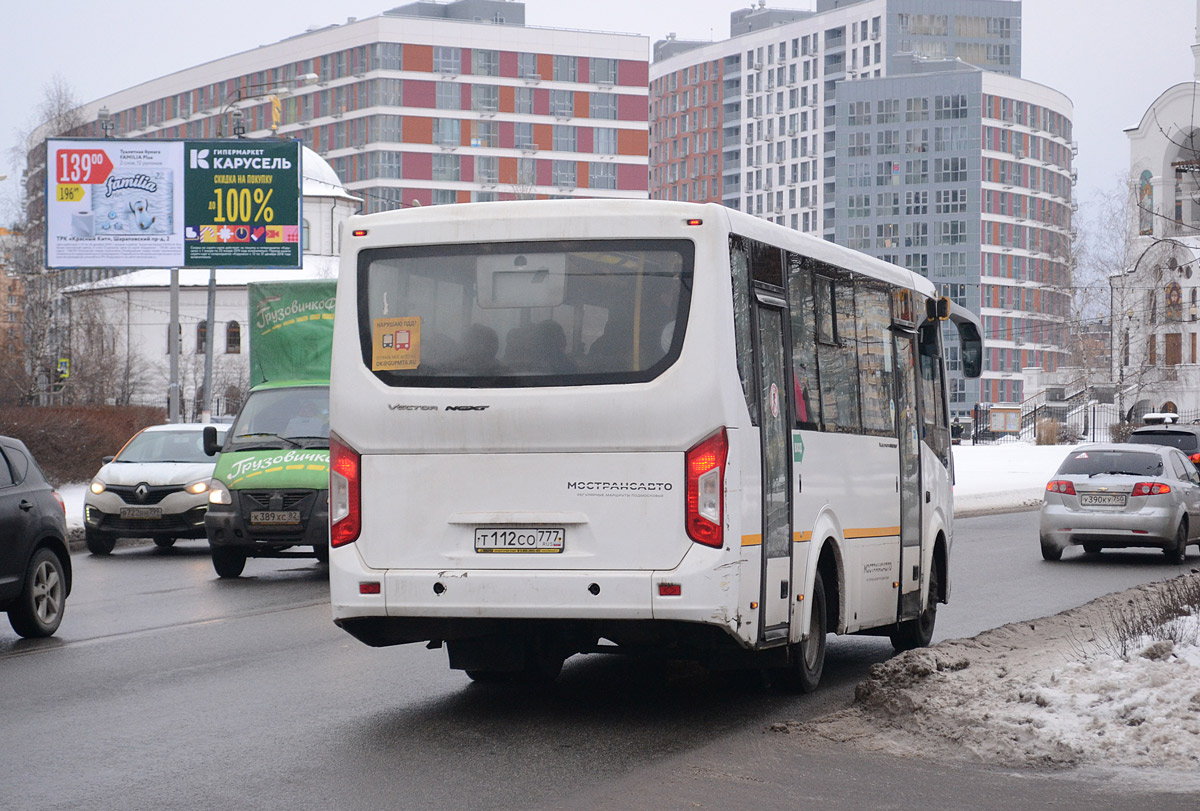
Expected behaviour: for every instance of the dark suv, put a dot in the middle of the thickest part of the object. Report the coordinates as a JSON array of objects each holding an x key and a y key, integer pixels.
[
  {"x": 1184, "y": 437},
  {"x": 35, "y": 565}
]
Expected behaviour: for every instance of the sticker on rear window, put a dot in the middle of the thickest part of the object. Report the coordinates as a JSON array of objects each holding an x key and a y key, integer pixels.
[{"x": 396, "y": 343}]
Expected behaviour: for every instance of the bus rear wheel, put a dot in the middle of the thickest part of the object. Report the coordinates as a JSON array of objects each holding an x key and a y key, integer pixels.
[
  {"x": 918, "y": 632},
  {"x": 806, "y": 659}
]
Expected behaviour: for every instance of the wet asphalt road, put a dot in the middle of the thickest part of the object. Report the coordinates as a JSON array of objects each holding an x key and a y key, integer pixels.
[{"x": 169, "y": 688}]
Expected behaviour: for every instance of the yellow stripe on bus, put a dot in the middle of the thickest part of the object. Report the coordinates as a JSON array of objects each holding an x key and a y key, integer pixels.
[{"x": 806, "y": 535}]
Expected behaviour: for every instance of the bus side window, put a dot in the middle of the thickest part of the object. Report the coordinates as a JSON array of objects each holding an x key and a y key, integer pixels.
[
  {"x": 801, "y": 306},
  {"x": 739, "y": 268},
  {"x": 935, "y": 428}
]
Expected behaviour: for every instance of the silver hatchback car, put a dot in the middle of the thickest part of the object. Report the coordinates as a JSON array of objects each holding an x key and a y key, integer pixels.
[{"x": 1119, "y": 495}]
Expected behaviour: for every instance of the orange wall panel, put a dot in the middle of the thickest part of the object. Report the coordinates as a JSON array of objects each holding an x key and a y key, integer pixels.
[
  {"x": 418, "y": 57},
  {"x": 543, "y": 136},
  {"x": 508, "y": 99},
  {"x": 417, "y": 130},
  {"x": 581, "y": 174},
  {"x": 581, "y": 103},
  {"x": 633, "y": 142},
  {"x": 508, "y": 171},
  {"x": 545, "y": 66}
]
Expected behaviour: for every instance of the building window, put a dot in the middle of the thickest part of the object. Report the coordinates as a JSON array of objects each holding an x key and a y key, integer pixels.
[
  {"x": 201, "y": 337},
  {"x": 305, "y": 235},
  {"x": 949, "y": 170},
  {"x": 604, "y": 141},
  {"x": 447, "y": 132},
  {"x": 487, "y": 133},
  {"x": 916, "y": 171},
  {"x": 527, "y": 66},
  {"x": 485, "y": 62},
  {"x": 446, "y": 59},
  {"x": 565, "y": 174},
  {"x": 566, "y": 69},
  {"x": 446, "y": 167},
  {"x": 954, "y": 106},
  {"x": 602, "y": 175},
  {"x": 603, "y": 105},
  {"x": 444, "y": 197},
  {"x": 562, "y": 103},
  {"x": 233, "y": 338},
  {"x": 603, "y": 71},
  {"x": 487, "y": 169},
  {"x": 523, "y": 100},
  {"x": 485, "y": 98},
  {"x": 564, "y": 138},
  {"x": 523, "y": 136},
  {"x": 449, "y": 96}
]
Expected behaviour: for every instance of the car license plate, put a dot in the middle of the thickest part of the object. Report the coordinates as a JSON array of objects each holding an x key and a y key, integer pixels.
[
  {"x": 275, "y": 517},
  {"x": 1102, "y": 500},
  {"x": 141, "y": 512},
  {"x": 520, "y": 539}
]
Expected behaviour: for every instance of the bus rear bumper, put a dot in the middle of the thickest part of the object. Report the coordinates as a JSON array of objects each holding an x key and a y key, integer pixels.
[{"x": 429, "y": 604}]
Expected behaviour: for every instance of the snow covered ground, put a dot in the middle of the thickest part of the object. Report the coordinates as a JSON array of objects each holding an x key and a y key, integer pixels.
[{"x": 1047, "y": 693}]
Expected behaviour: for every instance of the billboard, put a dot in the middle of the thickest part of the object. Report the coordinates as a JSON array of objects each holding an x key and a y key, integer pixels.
[{"x": 158, "y": 203}]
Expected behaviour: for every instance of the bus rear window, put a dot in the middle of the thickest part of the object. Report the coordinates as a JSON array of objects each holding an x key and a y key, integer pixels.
[{"x": 524, "y": 314}]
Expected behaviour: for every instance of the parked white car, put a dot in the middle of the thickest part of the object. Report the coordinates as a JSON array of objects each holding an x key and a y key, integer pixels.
[{"x": 155, "y": 487}]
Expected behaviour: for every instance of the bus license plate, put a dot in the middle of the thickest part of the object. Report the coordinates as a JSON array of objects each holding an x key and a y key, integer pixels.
[
  {"x": 545, "y": 540},
  {"x": 275, "y": 517},
  {"x": 1102, "y": 500},
  {"x": 141, "y": 512}
]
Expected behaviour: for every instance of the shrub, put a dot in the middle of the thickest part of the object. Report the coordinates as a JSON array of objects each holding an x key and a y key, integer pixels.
[
  {"x": 1120, "y": 431},
  {"x": 1047, "y": 431},
  {"x": 69, "y": 441}
]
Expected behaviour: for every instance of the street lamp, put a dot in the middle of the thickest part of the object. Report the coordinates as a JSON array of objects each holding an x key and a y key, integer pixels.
[
  {"x": 105, "y": 119},
  {"x": 237, "y": 117}
]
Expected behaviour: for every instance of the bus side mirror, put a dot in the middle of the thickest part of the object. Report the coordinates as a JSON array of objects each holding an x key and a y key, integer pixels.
[
  {"x": 937, "y": 309},
  {"x": 211, "y": 446}
]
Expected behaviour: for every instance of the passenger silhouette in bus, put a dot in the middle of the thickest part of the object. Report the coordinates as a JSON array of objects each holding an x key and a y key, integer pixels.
[{"x": 480, "y": 345}]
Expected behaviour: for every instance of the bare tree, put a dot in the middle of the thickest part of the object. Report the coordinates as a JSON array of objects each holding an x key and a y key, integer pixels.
[
  {"x": 58, "y": 114},
  {"x": 105, "y": 367}
]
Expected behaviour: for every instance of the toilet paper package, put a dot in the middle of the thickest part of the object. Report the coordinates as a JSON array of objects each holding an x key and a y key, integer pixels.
[{"x": 132, "y": 202}]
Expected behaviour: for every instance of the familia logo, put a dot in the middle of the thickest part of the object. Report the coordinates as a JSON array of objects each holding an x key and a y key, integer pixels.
[
  {"x": 244, "y": 467},
  {"x": 139, "y": 182}
]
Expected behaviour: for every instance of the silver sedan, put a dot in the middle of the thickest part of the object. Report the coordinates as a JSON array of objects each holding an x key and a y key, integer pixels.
[{"x": 1119, "y": 495}]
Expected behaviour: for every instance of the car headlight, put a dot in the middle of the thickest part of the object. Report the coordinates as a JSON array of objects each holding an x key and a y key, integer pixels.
[
  {"x": 218, "y": 493},
  {"x": 196, "y": 488},
  {"x": 97, "y": 486}
]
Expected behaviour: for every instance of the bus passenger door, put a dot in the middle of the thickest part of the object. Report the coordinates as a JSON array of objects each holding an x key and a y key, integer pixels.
[
  {"x": 910, "y": 475},
  {"x": 775, "y": 433}
]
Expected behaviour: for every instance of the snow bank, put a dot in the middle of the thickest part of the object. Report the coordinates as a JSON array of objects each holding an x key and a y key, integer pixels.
[{"x": 1038, "y": 694}]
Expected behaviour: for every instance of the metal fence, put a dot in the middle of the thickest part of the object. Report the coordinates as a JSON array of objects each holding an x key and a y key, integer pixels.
[{"x": 1063, "y": 422}]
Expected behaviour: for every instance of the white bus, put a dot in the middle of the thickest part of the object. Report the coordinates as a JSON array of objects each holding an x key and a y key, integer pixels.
[{"x": 564, "y": 427}]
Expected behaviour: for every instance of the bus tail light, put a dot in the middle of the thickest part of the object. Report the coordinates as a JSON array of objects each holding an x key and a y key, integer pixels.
[
  {"x": 345, "y": 504},
  {"x": 705, "y": 467}
]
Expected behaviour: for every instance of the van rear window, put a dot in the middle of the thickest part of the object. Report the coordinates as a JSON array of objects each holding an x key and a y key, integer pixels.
[
  {"x": 524, "y": 313},
  {"x": 1184, "y": 440}
]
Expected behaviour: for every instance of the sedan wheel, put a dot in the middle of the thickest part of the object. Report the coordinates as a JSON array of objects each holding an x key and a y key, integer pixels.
[
  {"x": 1051, "y": 550},
  {"x": 98, "y": 544},
  {"x": 39, "y": 610},
  {"x": 164, "y": 543},
  {"x": 1177, "y": 552}
]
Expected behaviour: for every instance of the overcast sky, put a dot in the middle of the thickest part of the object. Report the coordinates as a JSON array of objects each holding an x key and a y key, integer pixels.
[{"x": 1112, "y": 58}]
